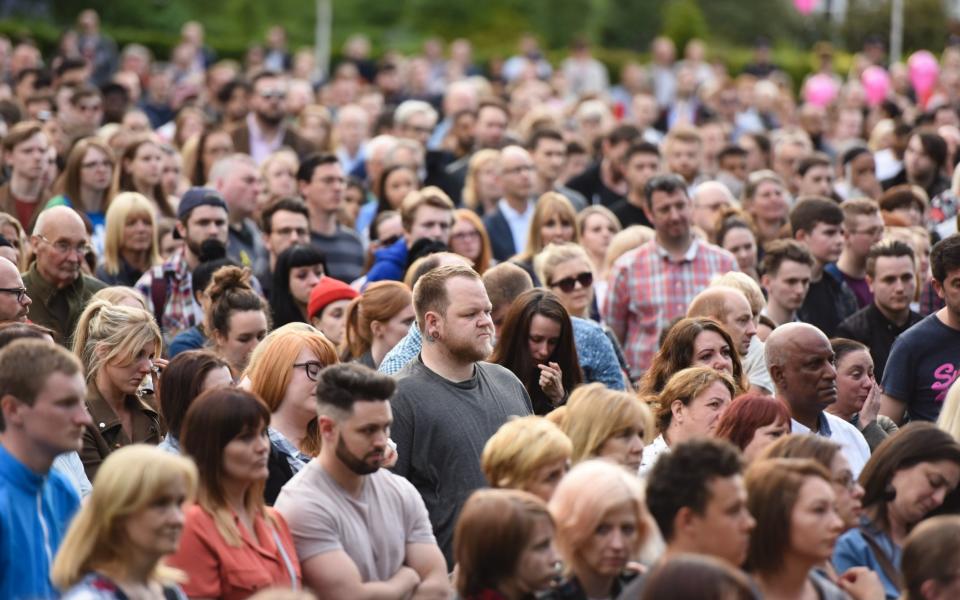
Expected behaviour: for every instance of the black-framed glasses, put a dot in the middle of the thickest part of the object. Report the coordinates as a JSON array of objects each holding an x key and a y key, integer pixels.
[
  {"x": 20, "y": 292},
  {"x": 568, "y": 284},
  {"x": 312, "y": 369}
]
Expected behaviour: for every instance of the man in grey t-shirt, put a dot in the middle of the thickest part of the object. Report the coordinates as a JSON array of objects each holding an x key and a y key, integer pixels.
[
  {"x": 360, "y": 530},
  {"x": 448, "y": 402}
]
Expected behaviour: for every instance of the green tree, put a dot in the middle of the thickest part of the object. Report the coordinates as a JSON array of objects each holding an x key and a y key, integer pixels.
[{"x": 683, "y": 21}]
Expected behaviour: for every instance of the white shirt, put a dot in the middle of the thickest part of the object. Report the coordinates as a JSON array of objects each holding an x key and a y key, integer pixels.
[
  {"x": 652, "y": 453},
  {"x": 852, "y": 443},
  {"x": 518, "y": 222},
  {"x": 755, "y": 366}
]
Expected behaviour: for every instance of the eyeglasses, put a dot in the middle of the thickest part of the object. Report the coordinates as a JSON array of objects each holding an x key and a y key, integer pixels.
[
  {"x": 273, "y": 95},
  {"x": 846, "y": 480},
  {"x": 312, "y": 369},
  {"x": 20, "y": 292},
  {"x": 65, "y": 247},
  {"x": 568, "y": 284}
]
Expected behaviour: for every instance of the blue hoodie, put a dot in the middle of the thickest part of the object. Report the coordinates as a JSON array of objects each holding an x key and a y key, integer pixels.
[
  {"x": 34, "y": 514},
  {"x": 389, "y": 263}
]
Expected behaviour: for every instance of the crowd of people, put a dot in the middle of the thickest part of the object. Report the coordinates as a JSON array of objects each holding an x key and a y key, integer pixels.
[{"x": 425, "y": 328}]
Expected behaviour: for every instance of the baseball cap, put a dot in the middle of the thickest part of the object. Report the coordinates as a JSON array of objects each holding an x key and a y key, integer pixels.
[{"x": 199, "y": 196}]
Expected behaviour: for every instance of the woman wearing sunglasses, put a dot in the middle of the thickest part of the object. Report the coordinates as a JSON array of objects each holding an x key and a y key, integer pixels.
[
  {"x": 566, "y": 270},
  {"x": 283, "y": 371}
]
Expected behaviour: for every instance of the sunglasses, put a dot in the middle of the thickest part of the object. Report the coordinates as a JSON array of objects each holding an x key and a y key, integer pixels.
[{"x": 568, "y": 284}]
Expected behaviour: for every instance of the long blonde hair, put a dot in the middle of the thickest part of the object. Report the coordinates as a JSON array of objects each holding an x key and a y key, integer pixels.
[
  {"x": 125, "y": 486},
  {"x": 124, "y": 205},
  {"x": 479, "y": 160},
  {"x": 107, "y": 333},
  {"x": 548, "y": 205}
]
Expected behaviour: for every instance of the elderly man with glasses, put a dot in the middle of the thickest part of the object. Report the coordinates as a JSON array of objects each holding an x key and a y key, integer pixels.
[{"x": 55, "y": 282}]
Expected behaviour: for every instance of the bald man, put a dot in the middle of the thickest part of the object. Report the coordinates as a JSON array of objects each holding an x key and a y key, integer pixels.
[
  {"x": 508, "y": 224},
  {"x": 800, "y": 360},
  {"x": 730, "y": 307},
  {"x": 55, "y": 282},
  {"x": 709, "y": 200},
  {"x": 14, "y": 300}
]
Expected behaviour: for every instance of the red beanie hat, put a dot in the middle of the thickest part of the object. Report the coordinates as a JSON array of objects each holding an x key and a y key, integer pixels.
[{"x": 326, "y": 291}]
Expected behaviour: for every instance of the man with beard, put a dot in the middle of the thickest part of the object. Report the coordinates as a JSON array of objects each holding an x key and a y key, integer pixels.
[
  {"x": 801, "y": 364},
  {"x": 655, "y": 283},
  {"x": 604, "y": 183},
  {"x": 265, "y": 130},
  {"x": 359, "y": 529},
  {"x": 448, "y": 401},
  {"x": 167, "y": 289},
  {"x": 55, "y": 280},
  {"x": 14, "y": 300}
]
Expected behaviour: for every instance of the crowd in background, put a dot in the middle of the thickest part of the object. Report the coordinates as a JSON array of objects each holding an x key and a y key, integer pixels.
[{"x": 429, "y": 328}]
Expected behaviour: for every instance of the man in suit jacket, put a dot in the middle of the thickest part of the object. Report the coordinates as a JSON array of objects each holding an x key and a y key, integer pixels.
[
  {"x": 265, "y": 130},
  {"x": 507, "y": 226}
]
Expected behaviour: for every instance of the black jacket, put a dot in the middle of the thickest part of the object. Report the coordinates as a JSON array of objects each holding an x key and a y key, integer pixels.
[{"x": 869, "y": 327}]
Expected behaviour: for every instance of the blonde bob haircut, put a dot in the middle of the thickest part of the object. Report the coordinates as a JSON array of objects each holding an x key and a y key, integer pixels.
[
  {"x": 549, "y": 205},
  {"x": 113, "y": 334},
  {"x": 124, "y": 206},
  {"x": 594, "y": 414},
  {"x": 549, "y": 258},
  {"x": 589, "y": 492},
  {"x": 685, "y": 385},
  {"x": 519, "y": 448},
  {"x": 96, "y": 538},
  {"x": 271, "y": 369}
]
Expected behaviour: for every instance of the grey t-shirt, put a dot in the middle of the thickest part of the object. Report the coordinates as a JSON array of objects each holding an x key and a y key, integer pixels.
[
  {"x": 373, "y": 529},
  {"x": 441, "y": 427}
]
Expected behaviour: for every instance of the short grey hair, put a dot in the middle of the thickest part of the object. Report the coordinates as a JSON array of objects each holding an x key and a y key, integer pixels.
[
  {"x": 409, "y": 108},
  {"x": 226, "y": 165}
]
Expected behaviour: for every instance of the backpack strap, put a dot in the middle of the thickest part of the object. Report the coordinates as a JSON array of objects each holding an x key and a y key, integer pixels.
[{"x": 886, "y": 565}]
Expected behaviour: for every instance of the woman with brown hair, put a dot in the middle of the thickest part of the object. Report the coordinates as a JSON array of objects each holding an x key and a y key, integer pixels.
[
  {"x": 376, "y": 321},
  {"x": 187, "y": 376},
  {"x": 931, "y": 560},
  {"x": 503, "y": 546},
  {"x": 554, "y": 221},
  {"x": 141, "y": 170},
  {"x": 84, "y": 184},
  {"x": 236, "y": 318},
  {"x": 201, "y": 152},
  {"x": 765, "y": 199},
  {"x": 232, "y": 544},
  {"x": 469, "y": 239},
  {"x": 536, "y": 343},
  {"x": 797, "y": 527},
  {"x": 690, "y": 342},
  {"x": 908, "y": 476},
  {"x": 283, "y": 372},
  {"x": 689, "y": 406}
]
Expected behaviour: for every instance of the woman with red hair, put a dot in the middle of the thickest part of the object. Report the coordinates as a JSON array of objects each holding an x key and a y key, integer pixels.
[{"x": 752, "y": 422}]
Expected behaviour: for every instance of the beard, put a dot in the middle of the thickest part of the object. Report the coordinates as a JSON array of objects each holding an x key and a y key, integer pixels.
[
  {"x": 357, "y": 465},
  {"x": 465, "y": 349},
  {"x": 272, "y": 119}
]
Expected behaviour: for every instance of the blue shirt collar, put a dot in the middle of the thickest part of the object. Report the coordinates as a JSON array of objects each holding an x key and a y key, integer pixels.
[{"x": 18, "y": 473}]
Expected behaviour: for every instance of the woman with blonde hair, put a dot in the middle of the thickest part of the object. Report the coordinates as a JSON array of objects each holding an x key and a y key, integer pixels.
[
  {"x": 601, "y": 522},
  {"x": 132, "y": 519},
  {"x": 233, "y": 545},
  {"x": 566, "y": 270},
  {"x": 12, "y": 230},
  {"x": 554, "y": 221},
  {"x": 279, "y": 175},
  {"x": 597, "y": 225},
  {"x": 376, "y": 321},
  {"x": 481, "y": 189},
  {"x": 527, "y": 453},
  {"x": 314, "y": 123},
  {"x": 130, "y": 243},
  {"x": 283, "y": 372},
  {"x": 469, "y": 239},
  {"x": 118, "y": 346},
  {"x": 605, "y": 423},
  {"x": 502, "y": 546},
  {"x": 689, "y": 406}
]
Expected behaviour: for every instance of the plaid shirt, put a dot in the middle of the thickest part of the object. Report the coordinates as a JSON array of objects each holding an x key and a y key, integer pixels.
[
  {"x": 648, "y": 289},
  {"x": 181, "y": 311}
]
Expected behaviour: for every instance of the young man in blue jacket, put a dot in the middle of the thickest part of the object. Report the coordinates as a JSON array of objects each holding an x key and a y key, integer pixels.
[{"x": 42, "y": 415}]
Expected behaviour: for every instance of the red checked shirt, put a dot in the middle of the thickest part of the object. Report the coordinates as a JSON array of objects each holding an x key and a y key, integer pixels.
[{"x": 648, "y": 289}]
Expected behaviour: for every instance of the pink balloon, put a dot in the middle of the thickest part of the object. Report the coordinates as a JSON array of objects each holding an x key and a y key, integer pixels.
[
  {"x": 876, "y": 83},
  {"x": 924, "y": 70},
  {"x": 805, "y": 6},
  {"x": 820, "y": 90}
]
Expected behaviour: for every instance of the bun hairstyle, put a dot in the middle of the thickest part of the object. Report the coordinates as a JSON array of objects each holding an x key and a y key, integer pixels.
[{"x": 230, "y": 291}]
